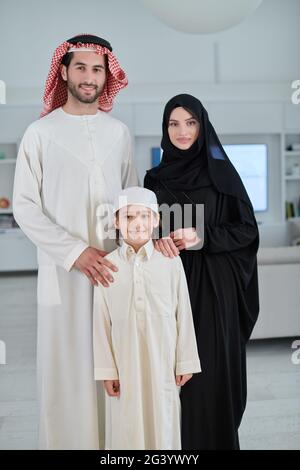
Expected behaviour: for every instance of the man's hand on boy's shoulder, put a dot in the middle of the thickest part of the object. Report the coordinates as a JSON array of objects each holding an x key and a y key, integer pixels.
[{"x": 95, "y": 266}]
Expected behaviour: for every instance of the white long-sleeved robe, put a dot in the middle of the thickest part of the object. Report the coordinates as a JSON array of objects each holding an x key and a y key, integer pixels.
[
  {"x": 143, "y": 336},
  {"x": 67, "y": 168}
]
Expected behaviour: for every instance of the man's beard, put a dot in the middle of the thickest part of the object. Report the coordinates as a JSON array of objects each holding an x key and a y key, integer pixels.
[{"x": 80, "y": 97}]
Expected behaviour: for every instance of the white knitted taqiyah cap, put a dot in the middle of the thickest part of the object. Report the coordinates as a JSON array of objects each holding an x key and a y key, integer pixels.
[{"x": 137, "y": 196}]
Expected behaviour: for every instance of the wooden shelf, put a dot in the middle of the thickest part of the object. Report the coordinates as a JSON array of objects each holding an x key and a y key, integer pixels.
[
  {"x": 292, "y": 153},
  {"x": 7, "y": 160},
  {"x": 6, "y": 211},
  {"x": 292, "y": 178},
  {"x": 7, "y": 231}
]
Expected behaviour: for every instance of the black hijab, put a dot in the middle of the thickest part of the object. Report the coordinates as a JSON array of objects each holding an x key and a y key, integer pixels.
[{"x": 203, "y": 164}]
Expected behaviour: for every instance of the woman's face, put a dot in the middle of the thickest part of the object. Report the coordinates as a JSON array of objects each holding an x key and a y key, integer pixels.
[{"x": 183, "y": 128}]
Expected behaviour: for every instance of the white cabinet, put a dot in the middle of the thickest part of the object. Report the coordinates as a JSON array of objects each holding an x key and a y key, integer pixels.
[
  {"x": 17, "y": 253},
  {"x": 7, "y": 171}
]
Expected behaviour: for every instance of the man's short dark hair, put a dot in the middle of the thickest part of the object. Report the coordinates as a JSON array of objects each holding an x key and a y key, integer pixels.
[{"x": 66, "y": 60}]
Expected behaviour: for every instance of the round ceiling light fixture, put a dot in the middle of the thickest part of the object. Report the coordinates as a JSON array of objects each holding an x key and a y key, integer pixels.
[{"x": 201, "y": 16}]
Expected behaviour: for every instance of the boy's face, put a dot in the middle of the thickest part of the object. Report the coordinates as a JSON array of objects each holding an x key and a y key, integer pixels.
[{"x": 136, "y": 224}]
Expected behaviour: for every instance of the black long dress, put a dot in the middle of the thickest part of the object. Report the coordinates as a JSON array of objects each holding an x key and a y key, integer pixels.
[
  {"x": 221, "y": 276},
  {"x": 213, "y": 401}
]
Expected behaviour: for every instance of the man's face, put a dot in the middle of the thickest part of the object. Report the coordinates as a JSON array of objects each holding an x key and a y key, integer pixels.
[{"x": 85, "y": 76}]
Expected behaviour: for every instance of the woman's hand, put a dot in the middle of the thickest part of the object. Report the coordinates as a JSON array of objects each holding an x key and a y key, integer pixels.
[
  {"x": 167, "y": 247},
  {"x": 184, "y": 238}
]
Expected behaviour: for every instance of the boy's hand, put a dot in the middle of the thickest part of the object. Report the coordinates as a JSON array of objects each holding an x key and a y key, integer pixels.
[
  {"x": 181, "y": 380},
  {"x": 112, "y": 387}
]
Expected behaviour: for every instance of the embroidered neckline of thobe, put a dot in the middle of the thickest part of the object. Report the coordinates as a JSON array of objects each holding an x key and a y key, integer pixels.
[
  {"x": 80, "y": 117},
  {"x": 144, "y": 252}
]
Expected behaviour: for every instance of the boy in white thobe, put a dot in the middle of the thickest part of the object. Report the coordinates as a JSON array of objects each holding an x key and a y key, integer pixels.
[{"x": 144, "y": 339}]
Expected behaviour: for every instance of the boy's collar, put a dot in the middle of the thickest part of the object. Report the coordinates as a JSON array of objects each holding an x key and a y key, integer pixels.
[{"x": 145, "y": 250}]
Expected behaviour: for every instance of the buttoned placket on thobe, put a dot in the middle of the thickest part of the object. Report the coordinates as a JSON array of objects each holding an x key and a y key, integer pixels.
[{"x": 143, "y": 335}]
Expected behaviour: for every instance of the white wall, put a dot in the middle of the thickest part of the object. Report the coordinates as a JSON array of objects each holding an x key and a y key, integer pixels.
[{"x": 264, "y": 48}]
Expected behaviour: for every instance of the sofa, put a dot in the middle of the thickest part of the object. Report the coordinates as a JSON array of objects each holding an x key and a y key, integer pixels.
[{"x": 279, "y": 289}]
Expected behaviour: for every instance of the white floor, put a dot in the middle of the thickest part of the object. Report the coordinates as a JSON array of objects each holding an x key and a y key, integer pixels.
[{"x": 271, "y": 420}]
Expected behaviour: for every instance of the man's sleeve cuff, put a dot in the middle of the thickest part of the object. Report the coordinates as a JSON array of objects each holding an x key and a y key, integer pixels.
[{"x": 75, "y": 253}]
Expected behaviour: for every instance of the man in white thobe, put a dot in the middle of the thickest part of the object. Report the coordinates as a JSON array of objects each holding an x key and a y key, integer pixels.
[{"x": 70, "y": 166}]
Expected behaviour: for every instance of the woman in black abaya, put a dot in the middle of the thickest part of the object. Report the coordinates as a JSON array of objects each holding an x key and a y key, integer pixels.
[{"x": 221, "y": 275}]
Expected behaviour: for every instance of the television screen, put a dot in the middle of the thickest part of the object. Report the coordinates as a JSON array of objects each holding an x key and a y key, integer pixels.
[{"x": 251, "y": 162}]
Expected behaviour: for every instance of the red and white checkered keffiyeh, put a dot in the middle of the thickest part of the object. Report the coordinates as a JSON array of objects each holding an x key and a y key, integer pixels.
[{"x": 56, "y": 93}]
